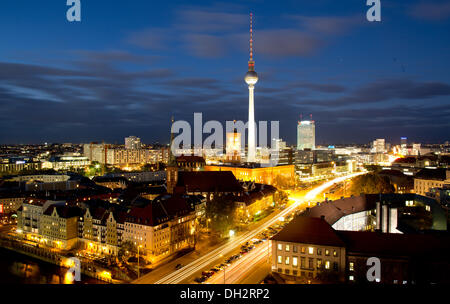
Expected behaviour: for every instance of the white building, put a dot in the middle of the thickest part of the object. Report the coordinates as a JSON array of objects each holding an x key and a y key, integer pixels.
[
  {"x": 379, "y": 146},
  {"x": 133, "y": 143},
  {"x": 306, "y": 135}
]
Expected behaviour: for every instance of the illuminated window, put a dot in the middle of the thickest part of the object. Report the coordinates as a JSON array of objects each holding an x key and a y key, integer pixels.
[
  {"x": 319, "y": 263},
  {"x": 287, "y": 260},
  {"x": 280, "y": 247},
  {"x": 280, "y": 259},
  {"x": 327, "y": 265},
  {"x": 287, "y": 247},
  {"x": 335, "y": 253},
  {"x": 351, "y": 278},
  {"x": 351, "y": 266},
  {"x": 311, "y": 250},
  {"x": 303, "y": 250},
  {"x": 294, "y": 261},
  {"x": 327, "y": 252}
]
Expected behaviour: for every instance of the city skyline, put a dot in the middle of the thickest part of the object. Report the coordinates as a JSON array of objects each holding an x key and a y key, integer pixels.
[{"x": 104, "y": 80}]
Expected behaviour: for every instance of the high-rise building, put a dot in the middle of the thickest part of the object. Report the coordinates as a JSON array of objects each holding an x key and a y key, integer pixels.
[
  {"x": 233, "y": 147},
  {"x": 404, "y": 145},
  {"x": 306, "y": 135},
  {"x": 132, "y": 143},
  {"x": 379, "y": 145},
  {"x": 251, "y": 78}
]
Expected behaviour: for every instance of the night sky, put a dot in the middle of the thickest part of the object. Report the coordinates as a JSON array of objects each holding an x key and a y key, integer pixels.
[{"x": 129, "y": 65}]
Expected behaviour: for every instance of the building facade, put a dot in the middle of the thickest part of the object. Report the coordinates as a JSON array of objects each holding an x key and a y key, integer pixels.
[{"x": 306, "y": 135}]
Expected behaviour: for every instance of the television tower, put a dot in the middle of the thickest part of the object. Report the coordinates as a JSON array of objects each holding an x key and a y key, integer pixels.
[{"x": 251, "y": 78}]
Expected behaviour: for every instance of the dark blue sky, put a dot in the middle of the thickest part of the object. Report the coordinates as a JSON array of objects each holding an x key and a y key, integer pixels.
[{"x": 129, "y": 65}]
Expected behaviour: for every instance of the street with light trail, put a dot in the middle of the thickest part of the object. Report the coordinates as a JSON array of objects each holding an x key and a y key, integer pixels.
[{"x": 217, "y": 255}]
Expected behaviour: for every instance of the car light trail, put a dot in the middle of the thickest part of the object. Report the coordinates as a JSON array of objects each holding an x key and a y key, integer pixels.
[{"x": 202, "y": 263}]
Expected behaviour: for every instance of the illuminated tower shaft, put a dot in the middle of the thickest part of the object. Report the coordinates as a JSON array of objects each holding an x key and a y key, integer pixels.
[
  {"x": 251, "y": 78},
  {"x": 251, "y": 125}
]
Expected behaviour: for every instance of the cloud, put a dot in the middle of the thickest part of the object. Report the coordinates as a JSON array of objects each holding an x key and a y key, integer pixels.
[
  {"x": 211, "y": 34},
  {"x": 431, "y": 11},
  {"x": 318, "y": 87},
  {"x": 328, "y": 25},
  {"x": 206, "y": 46},
  {"x": 151, "y": 39},
  {"x": 204, "y": 21},
  {"x": 389, "y": 89},
  {"x": 286, "y": 42}
]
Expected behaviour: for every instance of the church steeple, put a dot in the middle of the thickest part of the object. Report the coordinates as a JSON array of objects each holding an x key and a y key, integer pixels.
[
  {"x": 172, "y": 161},
  {"x": 172, "y": 169}
]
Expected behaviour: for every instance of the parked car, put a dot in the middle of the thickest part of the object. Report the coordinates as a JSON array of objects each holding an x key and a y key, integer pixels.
[{"x": 200, "y": 279}]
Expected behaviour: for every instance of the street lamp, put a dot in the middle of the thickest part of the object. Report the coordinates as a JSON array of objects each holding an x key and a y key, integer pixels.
[
  {"x": 224, "y": 267},
  {"x": 140, "y": 246}
]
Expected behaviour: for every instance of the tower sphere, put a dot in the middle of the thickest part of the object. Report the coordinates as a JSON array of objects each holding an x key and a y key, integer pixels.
[{"x": 251, "y": 78}]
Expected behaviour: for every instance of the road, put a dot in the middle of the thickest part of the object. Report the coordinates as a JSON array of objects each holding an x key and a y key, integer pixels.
[
  {"x": 216, "y": 256},
  {"x": 243, "y": 267}
]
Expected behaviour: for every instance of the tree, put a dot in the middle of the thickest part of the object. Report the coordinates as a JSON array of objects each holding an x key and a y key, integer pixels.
[
  {"x": 221, "y": 211},
  {"x": 128, "y": 248},
  {"x": 371, "y": 183},
  {"x": 282, "y": 182}
]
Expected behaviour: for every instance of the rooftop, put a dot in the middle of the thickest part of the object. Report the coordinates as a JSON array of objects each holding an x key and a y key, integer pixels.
[
  {"x": 209, "y": 181},
  {"x": 309, "y": 230}
]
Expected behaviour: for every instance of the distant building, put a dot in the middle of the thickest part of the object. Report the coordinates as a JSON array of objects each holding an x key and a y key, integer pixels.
[
  {"x": 379, "y": 146},
  {"x": 190, "y": 162},
  {"x": 66, "y": 162},
  {"x": 133, "y": 143},
  {"x": 140, "y": 176},
  {"x": 10, "y": 202},
  {"x": 111, "y": 182},
  {"x": 118, "y": 156},
  {"x": 233, "y": 147},
  {"x": 284, "y": 174},
  {"x": 427, "y": 179},
  {"x": 306, "y": 135}
]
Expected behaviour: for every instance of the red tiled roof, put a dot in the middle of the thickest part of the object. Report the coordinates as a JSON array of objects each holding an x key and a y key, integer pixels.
[
  {"x": 309, "y": 230},
  {"x": 63, "y": 211},
  {"x": 160, "y": 210},
  {"x": 209, "y": 181}
]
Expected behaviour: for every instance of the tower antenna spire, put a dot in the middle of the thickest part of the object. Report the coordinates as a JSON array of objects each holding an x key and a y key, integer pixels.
[{"x": 251, "y": 63}]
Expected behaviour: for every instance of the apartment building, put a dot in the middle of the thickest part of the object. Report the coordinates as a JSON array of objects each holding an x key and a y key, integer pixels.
[
  {"x": 308, "y": 248},
  {"x": 426, "y": 179},
  {"x": 162, "y": 227},
  {"x": 101, "y": 230},
  {"x": 59, "y": 226}
]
